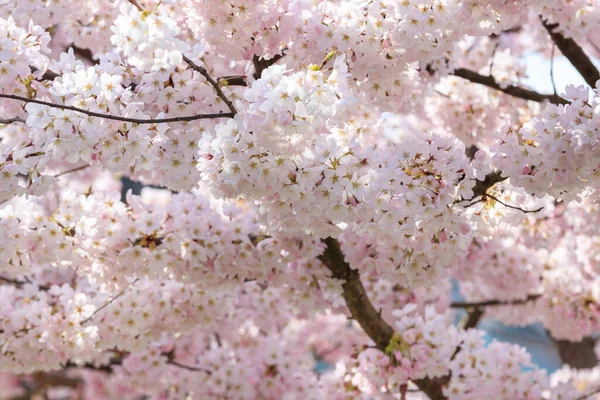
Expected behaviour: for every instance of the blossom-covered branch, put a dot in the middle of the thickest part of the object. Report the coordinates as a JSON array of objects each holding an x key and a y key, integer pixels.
[
  {"x": 117, "y": 117},
  {"x": 364, "y": 313}
]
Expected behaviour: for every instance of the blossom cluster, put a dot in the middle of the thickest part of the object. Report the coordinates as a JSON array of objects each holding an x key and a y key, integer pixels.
[
  {"x": 555, "y": 152},
  {"x": 428, "y": 346},
  {"x": 147, "y": 39},
  {"x": 270, "y": 129}
]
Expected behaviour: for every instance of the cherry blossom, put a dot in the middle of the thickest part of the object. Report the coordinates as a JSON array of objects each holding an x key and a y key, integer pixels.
[{"x": 311, "y": 183}]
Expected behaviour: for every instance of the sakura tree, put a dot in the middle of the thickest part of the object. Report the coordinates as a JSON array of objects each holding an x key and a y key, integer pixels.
[{"x": 316, "y": 175}]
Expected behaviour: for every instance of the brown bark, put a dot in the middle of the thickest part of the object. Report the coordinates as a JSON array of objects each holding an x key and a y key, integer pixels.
[{"x": 578, "y": 354}]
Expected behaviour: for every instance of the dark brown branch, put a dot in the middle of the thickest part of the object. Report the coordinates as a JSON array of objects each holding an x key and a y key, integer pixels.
[
  {"x": 212, "y": 82},
  {"x": 579, "y": 355},
  {"x": 365, "y": 314},
  {"x": 17, "y": 283},
  {"x": 574, "y": 53},
  {"x": 48, "y": 75},
  {"x": 116, "y": 117},
  {"x": 472, "y": 318},
  {"x": 84, "y": 54},
  {"x": 515, "y": 91},
  {"x": 481, "y": 187},
  {"x": 260, "y": 64},
  {"x": 11, "y": 120},
  {"x": 489, "y": 303},
  {"x": 233, "y": 80},
  {"x": 13, "y": 282}
]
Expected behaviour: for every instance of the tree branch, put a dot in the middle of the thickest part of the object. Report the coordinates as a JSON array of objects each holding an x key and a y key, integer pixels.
[
  {"x": 11, "y": 120},
  {"x": 481, "y": 187},
  {"x": 365, "y": 314},
  {"x": 48, "y": 75},
  {"x": 489, "y": 303},
  {"x": 116, "y": 117},
  {"x": 233, "y": 80},
  {"x": 579, "y": 355},
  {"x": 472, "y": 318},
  {"x": 19, "y": 284},
  {"x": 260, "y": 64},
  {"x": 575, "y": 54},
  {"x": 212, "y": 82},
  {"x": 515, "y": 91},
  {"x": 14, "y": 282}
]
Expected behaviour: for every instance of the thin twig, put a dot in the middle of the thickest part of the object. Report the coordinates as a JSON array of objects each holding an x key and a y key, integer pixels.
[
  {"x": 116, "y": 117},
  {"x": 72, "y": 170},
  {"x": 106, "y": 304},
  {"x": 189, "y": 368},
  {"x": 552, "y": 68},
  {"x": 493, "y": 58},
  {"x": 212, "y": 82},
  {"x": 489, "y": 303},
  {"x": 442, "y": 94},
  {"x": 513, "y": 207},
  {"x": 475, "y": 202}
]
